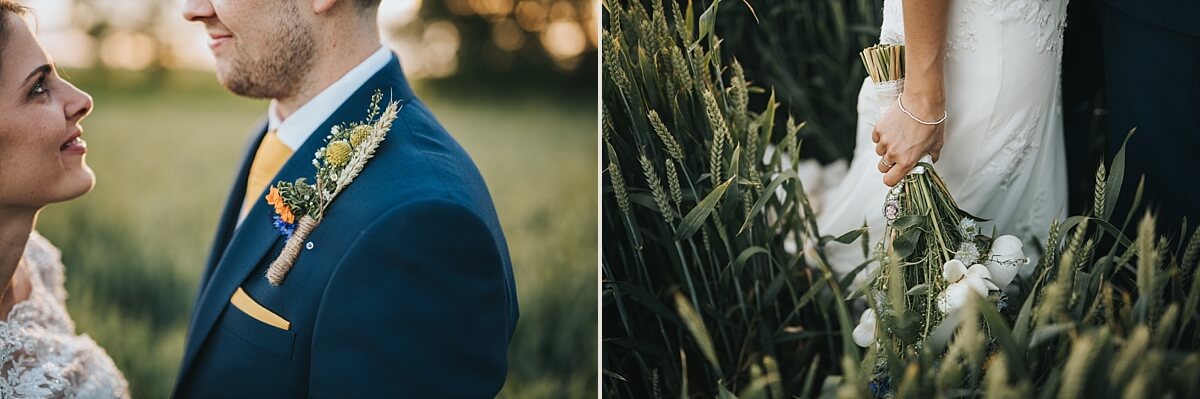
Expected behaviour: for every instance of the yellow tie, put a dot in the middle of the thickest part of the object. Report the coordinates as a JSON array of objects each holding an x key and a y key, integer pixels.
[{"x": 269, "y": 158}]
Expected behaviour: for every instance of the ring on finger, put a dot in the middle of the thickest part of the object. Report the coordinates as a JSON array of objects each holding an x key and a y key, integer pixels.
[{"x": 885, "y": 163}]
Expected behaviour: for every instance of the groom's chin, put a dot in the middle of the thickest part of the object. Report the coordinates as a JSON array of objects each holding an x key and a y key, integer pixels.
[
  {"x": 223, "y": 74},
  {"x": 239, "y": 83},
  {"x": 228, "y": 77}
]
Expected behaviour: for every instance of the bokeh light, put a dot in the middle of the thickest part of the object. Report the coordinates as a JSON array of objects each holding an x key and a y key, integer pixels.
[
  {"x": 429, "y": 36},
  {"x": 128, "y": 50}
]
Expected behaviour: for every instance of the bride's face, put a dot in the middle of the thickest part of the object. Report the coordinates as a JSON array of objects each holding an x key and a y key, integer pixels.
[{"x": 41, "y": 152}]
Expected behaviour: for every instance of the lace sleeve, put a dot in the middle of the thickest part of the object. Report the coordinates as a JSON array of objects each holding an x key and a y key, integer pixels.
[
  {"x": 21, "y": 374},
  {"x": 45, "y": 259},
  {"x": 35, "y": 363},
  {"x": 41, "y": 356}
]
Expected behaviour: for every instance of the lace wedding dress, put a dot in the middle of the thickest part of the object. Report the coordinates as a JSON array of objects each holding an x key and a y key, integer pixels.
[
  {"x": 40, "y": 354},
  {"x": 1003, "y": 156}
]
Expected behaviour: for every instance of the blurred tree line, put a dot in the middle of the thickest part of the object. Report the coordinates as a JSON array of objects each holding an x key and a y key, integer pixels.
[
  {"x": 532, "y": 44},
  {"x": 524, "y": 40}
]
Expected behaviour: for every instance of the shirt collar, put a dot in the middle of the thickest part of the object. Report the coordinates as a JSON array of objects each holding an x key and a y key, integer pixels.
[{"x": 301, "y": 124}]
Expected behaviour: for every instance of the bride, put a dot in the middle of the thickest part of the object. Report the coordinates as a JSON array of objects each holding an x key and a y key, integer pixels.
[
  {"x": 41, "y": 162},
  {"x": 981, "y": 96}
]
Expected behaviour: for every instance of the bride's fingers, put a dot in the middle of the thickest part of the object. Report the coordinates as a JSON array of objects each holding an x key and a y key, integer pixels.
[
  {"x": 880, "y": 149},
  {"x": 874, "y": 135},
  {"x": 883, "y": 165},
  {"x": 896, "y": 173}
]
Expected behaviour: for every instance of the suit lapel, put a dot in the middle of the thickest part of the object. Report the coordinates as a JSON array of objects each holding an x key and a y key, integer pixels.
[
  {"x": 233, "y": 204},
  {"x": 252, "y": 240},
  {"x": 229, "y": 215},
  {"x": 250, "y": 243}
]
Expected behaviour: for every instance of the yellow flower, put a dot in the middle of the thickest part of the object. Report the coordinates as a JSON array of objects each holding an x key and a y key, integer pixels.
[
  {"x": 337, "y": 153},
  {"x": 359, "y": 134}
]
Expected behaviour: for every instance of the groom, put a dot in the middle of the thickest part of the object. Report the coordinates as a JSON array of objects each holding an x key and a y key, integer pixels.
[{"x": 404, "y": 289}]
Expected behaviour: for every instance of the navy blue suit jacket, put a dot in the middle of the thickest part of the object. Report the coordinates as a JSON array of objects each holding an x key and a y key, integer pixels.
[{"x": 407, "y": 290}]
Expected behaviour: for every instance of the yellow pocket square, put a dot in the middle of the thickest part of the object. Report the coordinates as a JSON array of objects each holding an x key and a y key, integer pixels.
[{"x": 247, "y": 305}]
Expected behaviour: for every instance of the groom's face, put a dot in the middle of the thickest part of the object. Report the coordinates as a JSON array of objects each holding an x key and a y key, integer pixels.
[{"x": 262, "y": 47}]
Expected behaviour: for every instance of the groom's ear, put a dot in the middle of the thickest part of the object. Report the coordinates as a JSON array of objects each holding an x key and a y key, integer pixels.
[{"x": 323, "y": 6}]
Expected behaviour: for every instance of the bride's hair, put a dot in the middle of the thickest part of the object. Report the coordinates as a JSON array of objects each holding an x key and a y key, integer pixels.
[{"x": 8, "y": 6}]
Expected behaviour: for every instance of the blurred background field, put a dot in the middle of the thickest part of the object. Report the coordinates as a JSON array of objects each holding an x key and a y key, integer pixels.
[{"x": 165, "y": 139}]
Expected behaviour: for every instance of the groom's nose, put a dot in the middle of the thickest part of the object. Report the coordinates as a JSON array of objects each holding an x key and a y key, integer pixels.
[{"x": 198, "y": 10}]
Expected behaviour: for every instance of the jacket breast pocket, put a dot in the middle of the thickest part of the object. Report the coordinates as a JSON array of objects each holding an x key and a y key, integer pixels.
[{"x": 258, "y": 334}]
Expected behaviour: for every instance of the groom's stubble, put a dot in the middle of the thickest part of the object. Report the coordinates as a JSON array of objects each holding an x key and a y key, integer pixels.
[{"x": 275, "y": 64}]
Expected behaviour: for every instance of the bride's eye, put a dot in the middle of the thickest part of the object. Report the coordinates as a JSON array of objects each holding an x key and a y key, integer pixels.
[{"x": 39, "y": 87}]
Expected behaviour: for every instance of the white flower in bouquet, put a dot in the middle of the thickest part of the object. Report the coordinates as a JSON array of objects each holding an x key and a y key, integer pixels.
[
  {"x": 967, "y": 252},
  {"x": 1007, "y": 257},
  {"x": 963, "y": 281},
  {"x": 968, "y": 228},
  {"x": 864, "y": 332}
]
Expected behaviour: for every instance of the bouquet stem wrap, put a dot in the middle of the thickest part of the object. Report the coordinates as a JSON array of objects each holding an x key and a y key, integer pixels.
[{"x": 886, "y": 94}]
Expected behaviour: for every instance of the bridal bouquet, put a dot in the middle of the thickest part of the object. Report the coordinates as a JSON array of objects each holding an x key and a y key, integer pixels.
[{"x": 933, "y": 258}]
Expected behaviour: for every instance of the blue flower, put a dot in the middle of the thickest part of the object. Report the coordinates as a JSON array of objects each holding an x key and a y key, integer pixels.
[
  {"x": 881, "y": 386},
  {"x": 1002, "y": 302},
  {"x": 285, "y": 228}
]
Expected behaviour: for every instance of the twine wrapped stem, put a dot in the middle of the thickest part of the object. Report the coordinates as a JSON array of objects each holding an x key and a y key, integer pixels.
[{"x": 291, "y": 250}]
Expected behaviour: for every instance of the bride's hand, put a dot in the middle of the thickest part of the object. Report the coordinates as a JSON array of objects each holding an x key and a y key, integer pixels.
[{"x": 901, "y": 141}]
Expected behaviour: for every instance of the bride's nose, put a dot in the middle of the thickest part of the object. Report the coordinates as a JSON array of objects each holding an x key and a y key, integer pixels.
[{"x": 78, "y": 105}]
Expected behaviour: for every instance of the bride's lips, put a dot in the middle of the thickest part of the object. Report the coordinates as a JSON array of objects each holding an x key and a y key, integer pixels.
[
  {"x": 215, "y": 40},
  {"x": 74, "y": 144}
]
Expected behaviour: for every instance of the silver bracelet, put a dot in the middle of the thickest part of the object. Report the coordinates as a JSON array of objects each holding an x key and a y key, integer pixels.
[{"x": 900, "y": 100}]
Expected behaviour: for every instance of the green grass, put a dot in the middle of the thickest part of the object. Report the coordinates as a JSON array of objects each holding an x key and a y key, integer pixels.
[{"x": 164, "y": 148}]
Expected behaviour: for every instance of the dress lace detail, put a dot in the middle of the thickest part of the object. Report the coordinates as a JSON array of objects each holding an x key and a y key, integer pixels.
[
  {"x": 40, "y": 354},
  {"x": 1007, "y": 162},
  {"x": 1047, "y": 18},
  {"x": 962, "y": 37}
]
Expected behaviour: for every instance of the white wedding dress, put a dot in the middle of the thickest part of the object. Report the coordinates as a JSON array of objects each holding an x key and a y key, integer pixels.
[
  {"x": 1003, "y": 156},
  {"x": 40, "y": 354}
]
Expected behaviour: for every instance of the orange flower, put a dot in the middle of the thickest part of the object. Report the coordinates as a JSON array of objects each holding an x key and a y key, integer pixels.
[
  {"x": 276, "y": 200},
  {"x": 285, "y": 214}
]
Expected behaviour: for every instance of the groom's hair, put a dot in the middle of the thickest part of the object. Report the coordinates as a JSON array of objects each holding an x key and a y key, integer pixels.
[{"x": 364, "y": 6}]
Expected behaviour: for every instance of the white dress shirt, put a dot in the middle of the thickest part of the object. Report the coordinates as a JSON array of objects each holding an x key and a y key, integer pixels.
[{"x": 301, "y": 124}]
